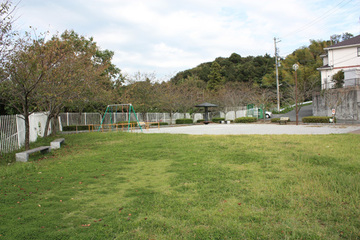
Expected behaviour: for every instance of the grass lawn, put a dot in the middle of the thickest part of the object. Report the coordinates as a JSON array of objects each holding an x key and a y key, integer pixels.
[{"x": 160, "y": 186}]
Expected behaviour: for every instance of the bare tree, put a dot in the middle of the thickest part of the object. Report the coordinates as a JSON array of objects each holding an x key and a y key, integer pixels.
[
  {"x": 262, "y": 98},
  {"x": 233, "y": 95},
  {"x": 168, "y": 98}
]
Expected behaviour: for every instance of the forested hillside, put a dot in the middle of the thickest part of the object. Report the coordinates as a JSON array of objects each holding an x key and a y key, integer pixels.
[
  {"x": 259, "y": 70},
  {"x": 234, "y": 69}
]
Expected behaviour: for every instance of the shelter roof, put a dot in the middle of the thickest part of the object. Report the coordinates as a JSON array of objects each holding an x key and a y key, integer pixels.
[{"x": 206, "y": 104}]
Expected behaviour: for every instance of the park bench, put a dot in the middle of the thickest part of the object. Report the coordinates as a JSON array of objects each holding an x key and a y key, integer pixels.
[
  {"x": 24, "y": 156},
  {"x": 56, "y": 143},
  {"x": 283, "y": 120}
]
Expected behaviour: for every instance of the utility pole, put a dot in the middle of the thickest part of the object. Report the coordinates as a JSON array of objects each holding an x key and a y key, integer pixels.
[
  {"x": 277, "y": 74},
  {"x": 296, "y": 67}
]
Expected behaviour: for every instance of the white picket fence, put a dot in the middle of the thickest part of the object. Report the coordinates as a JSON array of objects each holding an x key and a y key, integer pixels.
[
  {"x": 12, "y": 130},
  {"x": 9, "y": 138}
]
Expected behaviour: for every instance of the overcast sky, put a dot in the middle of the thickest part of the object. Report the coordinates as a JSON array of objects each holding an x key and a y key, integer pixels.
[{"x": 168, "y": 36}]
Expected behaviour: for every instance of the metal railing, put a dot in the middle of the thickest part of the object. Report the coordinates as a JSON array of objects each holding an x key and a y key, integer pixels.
[{"x": 351, "y": 82}]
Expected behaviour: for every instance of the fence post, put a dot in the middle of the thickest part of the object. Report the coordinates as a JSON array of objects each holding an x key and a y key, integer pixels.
[{"x": 17, "y": 131}]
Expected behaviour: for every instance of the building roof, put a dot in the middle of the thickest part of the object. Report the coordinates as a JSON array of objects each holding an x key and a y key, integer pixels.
[
  {"x": 324, "y": 67},
  {"x": 347, "y": 43}
]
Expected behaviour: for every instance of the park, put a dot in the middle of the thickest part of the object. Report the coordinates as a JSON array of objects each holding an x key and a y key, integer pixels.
[
  {"x": 238, "y": 147},
  {"x": 122, "y": 185}
]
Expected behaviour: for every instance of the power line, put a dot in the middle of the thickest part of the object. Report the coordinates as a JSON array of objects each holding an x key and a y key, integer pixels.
[
  {"x": 312, "y": 23},
  {"x": 323, "y": 16}
]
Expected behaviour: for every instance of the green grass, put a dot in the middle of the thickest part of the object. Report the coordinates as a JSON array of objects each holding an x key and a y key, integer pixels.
[{"x": 145, "y": 186}]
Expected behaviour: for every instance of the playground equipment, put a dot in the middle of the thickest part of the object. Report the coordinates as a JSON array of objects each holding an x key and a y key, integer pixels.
[{"x": 110, "y": 109}]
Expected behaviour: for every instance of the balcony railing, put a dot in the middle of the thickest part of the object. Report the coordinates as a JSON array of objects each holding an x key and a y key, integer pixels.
[{"x": 351, "y": 82}]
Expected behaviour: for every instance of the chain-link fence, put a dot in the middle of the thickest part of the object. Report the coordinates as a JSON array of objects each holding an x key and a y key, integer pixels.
[{"x": 77, "y": 119}]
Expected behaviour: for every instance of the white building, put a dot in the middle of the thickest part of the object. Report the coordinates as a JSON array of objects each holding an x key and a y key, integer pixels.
[{"x": 342, "y": 56}]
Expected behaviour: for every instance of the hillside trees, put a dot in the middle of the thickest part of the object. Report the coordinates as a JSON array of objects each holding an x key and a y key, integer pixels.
[
  {"x": 216, "y": 80},
  {"x": 232, "y": 69}
]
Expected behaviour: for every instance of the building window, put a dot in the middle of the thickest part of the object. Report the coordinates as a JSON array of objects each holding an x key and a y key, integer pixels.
[{"x": 358, "y": 51}]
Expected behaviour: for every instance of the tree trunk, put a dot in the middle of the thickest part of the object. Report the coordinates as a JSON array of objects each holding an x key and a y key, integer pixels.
[
  {"x": 264, "y": 115},
  {"x": 55, "y": 123},
  {"x": 27, "y": 131},
  {"x": 46, "y": 132}
]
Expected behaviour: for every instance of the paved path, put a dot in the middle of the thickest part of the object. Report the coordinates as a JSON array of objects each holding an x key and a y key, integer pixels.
[
  {"x": 305, "y": 111},
  {"x": 237, "y": 129}
]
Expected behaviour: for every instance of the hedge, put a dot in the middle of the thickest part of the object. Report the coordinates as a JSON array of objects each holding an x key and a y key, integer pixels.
[
  {"x": 75, "y": 128},
  {"x": 218, "y": 120},
  {"x": 184, "y": 121},
  {"x": 316, "y": 119},
  {"x": 160, "y": 123},
  {"x": 246, "y": 120},
  {"x": 200, "y": 120}
]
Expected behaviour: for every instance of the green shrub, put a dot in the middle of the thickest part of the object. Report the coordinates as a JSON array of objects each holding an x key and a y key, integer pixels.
[
  {"x": 275, "y": 120},
  {"x": 316, "y": 119},
  {"x": 184, "y": 121},
  {"x": 200, "y": 120},
  {"x": 160, "y": 123},
  {"x": 75, "y": 128},
  {"x": 218, "y": 120},
  {"x": 246, "y": 120}
]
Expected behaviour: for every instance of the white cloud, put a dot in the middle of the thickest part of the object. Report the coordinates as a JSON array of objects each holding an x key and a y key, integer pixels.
[{"x": 167, "y": 36}]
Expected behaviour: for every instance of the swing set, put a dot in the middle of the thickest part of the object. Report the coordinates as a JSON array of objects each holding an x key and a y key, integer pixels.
[{"x": 112, "y": 110}]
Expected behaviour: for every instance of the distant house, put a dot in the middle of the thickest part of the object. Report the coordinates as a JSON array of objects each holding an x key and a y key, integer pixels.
[{"x": 341, "y": 56}]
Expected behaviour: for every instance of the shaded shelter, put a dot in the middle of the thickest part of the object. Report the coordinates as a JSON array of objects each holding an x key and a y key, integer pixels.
[{"x": 206, "y": 105}]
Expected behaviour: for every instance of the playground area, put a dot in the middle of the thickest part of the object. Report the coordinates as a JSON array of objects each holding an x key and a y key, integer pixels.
[{"x": 260, "y": 129}]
